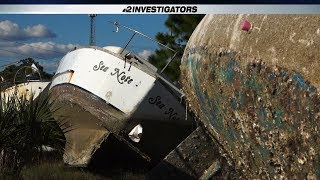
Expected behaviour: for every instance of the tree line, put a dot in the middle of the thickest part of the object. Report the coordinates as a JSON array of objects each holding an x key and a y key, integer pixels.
[{"x": 180, "y": 29}]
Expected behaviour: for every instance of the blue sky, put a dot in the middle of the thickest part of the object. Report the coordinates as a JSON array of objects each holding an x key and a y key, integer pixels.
[{"x": 47, "y": 37}]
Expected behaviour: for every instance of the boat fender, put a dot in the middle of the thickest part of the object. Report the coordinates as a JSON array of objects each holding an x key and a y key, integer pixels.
[{"x": 136, "y": 133}]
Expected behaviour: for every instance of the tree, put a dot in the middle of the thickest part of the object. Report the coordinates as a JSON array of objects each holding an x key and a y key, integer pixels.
[
  {"x": 9, "y": 72},
  {"x": 26, "y": 127},
  {"x": 181, "y": 28}
]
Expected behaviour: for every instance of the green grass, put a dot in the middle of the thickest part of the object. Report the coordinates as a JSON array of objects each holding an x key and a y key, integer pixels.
[
  {"x": 57, "y": 170},
  {"x": 60, "y": 171}
]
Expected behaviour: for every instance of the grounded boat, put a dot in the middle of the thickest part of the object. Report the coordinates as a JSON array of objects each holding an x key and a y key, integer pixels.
[
  {"x": 260, "y": 98},
  {"x": 110, "y": 93},
  {"x": 28, "y": 88}
]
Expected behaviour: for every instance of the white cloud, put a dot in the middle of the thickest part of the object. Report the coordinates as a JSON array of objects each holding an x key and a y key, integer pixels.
[
  {"x": 43, "y": 50},
  {"x": 11, "y": 31},
  {"x": 38, "y": 31},
  {"x": 145, "y": 54},
  {"x": 7, "y": 44},
  {"x": 49, "y": 66},
  {"x": 12, "y": 49}
]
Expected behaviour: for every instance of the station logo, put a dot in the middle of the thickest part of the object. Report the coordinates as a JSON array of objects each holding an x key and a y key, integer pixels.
[{"x": 160, "y": 9}]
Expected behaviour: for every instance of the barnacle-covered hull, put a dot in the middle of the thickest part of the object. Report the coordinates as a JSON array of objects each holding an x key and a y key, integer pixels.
[{"x": 255, "y": 90}]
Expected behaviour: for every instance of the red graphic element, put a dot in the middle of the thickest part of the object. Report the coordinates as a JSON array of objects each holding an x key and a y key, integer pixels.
[{"x": 246, "y": 25}]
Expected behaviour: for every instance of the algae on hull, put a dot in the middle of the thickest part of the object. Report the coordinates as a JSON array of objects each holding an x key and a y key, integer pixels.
[{"x": 256, "y": 92}]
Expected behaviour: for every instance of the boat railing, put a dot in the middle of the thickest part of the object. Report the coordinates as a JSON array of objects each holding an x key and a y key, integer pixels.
[
  {"x": 33, "y": 69},
  {"x": 135, "y": 32}
]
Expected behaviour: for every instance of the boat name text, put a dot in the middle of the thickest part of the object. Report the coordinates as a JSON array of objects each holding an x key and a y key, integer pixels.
[
  {"x": 170, "y": 112},
  {"x": 121, "y": 75}
]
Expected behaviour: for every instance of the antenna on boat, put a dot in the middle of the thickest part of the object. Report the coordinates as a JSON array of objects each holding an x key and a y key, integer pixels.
[
  {"x": 92, "y": 40},
  {"x": 145, "y": 36}
]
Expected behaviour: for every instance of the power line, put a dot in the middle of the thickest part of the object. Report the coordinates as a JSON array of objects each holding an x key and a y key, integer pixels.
[
  {"x": 10, "y": 64},
  {"x": 53, "y": 45},
  {"x": 6, "y": 60},
  {"x": 33, "y": 45},
  {"x": 15, "y": 62},
  {"x": 23, "y": 54}
]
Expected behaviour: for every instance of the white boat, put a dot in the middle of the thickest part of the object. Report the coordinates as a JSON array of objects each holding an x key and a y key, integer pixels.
[
  {"x": 110, "y": 90},
  {"x": 28, "y": 88}
]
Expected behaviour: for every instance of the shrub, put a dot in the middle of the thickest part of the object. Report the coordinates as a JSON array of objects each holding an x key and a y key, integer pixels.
[{"x": 26, "y": 127}]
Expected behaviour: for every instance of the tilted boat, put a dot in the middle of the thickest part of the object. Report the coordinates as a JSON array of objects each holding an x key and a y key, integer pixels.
[
  {"x": 110, "y": 91},
  {"x": 260, "y": 100}
]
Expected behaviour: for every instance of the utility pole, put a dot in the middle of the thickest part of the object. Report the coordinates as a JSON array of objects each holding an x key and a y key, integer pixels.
[{"x": 92, "y": 40}]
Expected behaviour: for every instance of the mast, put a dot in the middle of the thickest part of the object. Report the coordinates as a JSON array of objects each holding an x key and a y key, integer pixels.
[{"x": 92, "y": 40}]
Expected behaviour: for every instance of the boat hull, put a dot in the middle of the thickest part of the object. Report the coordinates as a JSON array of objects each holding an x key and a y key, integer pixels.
[
  {"x": 114, "y": 96},
  {"x": 27, "y": 89},
  {"x": 86, "y": 118},
  {"x": 255, "y": 91}
]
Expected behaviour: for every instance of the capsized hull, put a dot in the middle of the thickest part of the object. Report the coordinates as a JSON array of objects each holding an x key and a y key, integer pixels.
[{"x": 256, "y": 91}]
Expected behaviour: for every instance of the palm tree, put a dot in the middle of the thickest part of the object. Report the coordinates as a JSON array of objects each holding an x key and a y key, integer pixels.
[
  {"x": 26, "y": 127},
  {"x": 9, "y": 160}
]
